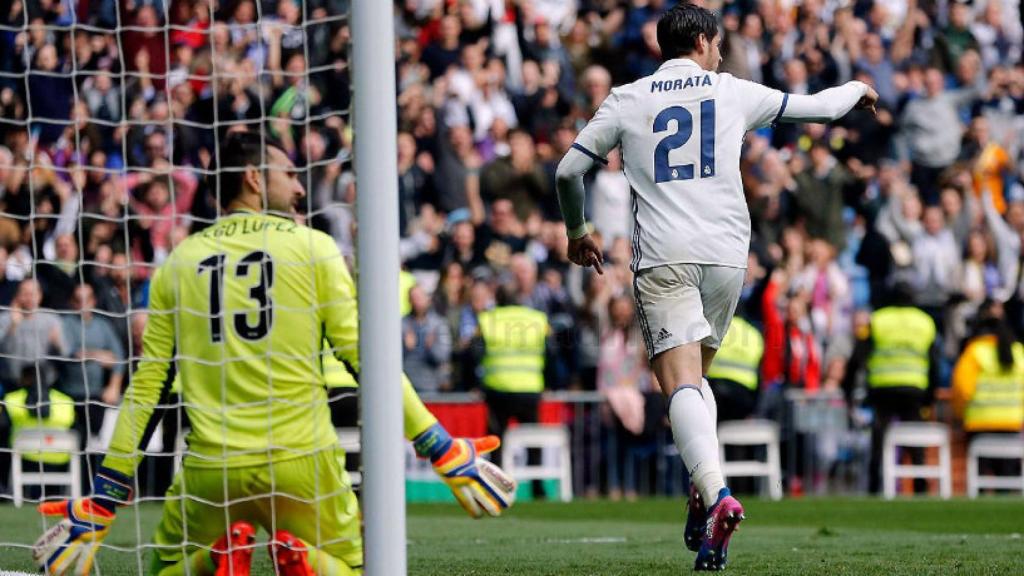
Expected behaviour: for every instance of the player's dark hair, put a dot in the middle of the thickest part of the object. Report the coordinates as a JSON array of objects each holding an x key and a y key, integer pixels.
[
  {"x": 240, "y": 149},
  {"x": 680, "y": 28}
]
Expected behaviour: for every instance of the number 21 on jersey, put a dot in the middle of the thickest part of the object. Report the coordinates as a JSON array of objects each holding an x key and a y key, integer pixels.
[{"x": 665, "y": 172}]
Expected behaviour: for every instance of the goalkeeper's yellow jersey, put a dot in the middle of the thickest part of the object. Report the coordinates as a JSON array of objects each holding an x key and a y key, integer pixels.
[{"x": 243, "y": 308}]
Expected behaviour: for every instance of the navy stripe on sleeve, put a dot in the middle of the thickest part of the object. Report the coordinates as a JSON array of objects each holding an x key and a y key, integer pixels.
[
  {"x": 785, "y": 100},
  {"x": 595, "y": 157}
]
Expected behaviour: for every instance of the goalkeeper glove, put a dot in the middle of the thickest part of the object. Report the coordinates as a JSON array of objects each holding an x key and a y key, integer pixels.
[
  {"x": 70, "y": 546},
  {"x": 477, "y": 484}
]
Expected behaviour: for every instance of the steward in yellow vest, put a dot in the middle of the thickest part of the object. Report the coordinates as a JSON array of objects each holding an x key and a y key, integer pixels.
[
  {"x": 511, "y": 348},
  {"x": 902, "y": 339},
  {"x": 514, "y": 339},
  {"x": 23, "y": 415},
  {"x": 735, "y": 370},
  {"x": 897, "y": 351},
  {"x": 988, "y": 382}
]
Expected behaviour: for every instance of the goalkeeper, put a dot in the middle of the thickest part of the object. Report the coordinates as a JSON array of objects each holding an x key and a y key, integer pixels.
[{"x": 245, "y": 306}]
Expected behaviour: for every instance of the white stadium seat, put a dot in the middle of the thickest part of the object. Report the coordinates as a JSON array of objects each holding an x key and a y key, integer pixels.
[
  {"x": 753, "y": 433},
  {"x": 995, "y": 446},
  {"x": 556, "y": 459},
  {"x": 45, "y": 440},
  {"x": 916, "y": 435}
]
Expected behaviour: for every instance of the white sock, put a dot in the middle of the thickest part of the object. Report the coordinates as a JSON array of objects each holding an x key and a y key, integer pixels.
[
  {"x": 694, "y": 433},
  {"x": 709, "y": 402}
]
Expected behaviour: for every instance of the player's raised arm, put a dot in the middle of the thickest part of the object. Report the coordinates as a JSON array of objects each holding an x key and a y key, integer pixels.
[
  {"x": 70, "y": 546},
  {"x": 828, "y": 105},
  {"x": 479, "y": 486},
  {"x": 766, "y": 106}
]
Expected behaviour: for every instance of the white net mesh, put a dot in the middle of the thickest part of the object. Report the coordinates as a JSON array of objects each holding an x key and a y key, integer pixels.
[{"x": 112, "y": 132}]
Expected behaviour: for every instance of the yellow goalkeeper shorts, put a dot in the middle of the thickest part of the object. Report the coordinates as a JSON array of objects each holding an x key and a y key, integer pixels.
[{"x": 310, "y": 496}]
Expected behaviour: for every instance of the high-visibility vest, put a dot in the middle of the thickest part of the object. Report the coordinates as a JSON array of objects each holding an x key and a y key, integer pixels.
[
  {"x": 514, "y": 338},
  {"x": 998, "y": 400},
  {"x": 62, "y": 417},
  {"x": 740, "y": 355},
  {"x": 902, "y": 337},
  {"x": 406, "y": 281}
]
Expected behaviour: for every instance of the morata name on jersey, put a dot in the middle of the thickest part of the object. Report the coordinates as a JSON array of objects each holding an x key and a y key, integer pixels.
[{"x": 679, "y": 83}]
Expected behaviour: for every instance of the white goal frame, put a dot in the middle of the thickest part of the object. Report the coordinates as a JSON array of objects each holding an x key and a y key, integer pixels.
[{"x": 380, "y": 353}]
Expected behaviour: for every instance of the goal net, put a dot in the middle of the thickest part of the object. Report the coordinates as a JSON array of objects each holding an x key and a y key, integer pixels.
[{"x": 113, "y": 121}]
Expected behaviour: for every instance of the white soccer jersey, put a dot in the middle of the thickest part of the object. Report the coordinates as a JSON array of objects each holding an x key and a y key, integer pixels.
[{"x": 680, "y": 130}]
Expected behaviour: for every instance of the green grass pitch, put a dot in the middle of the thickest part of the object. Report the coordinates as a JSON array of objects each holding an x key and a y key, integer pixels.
[{"x": 807, "y": 536}]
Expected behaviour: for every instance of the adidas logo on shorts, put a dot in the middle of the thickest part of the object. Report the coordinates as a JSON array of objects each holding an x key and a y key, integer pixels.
[{"x": 663, "y": 334}]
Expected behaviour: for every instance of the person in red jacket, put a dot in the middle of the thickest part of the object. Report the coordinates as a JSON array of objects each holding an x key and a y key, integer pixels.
[{"x": 792, "y": 357}]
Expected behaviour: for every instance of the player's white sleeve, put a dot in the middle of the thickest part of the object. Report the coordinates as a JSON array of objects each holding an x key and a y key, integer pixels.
[
  {"x": 571, "y": 195},
  {"x": 761, "y": 105},
  {"x": 603, "y": 131},
  {"x": 766, "y": 106},
  {"x": 593, "y": 143},
  {"x": 825, "y": 106}
]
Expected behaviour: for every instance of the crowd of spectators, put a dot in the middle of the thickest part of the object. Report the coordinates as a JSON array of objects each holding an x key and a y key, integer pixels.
[{"x": 110, "y": 114}]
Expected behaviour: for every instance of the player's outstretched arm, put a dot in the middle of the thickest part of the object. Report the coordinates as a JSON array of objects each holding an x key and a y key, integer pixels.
[
  {"x": 142, "y": 396},
  {"x": 828, "y": 105},
  {"x": 479, "y": 486},
  {"x": 70, "y": 546}
]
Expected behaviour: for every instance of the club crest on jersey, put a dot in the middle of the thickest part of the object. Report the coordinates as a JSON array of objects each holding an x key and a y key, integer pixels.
[{"x": 679, "y": 83}]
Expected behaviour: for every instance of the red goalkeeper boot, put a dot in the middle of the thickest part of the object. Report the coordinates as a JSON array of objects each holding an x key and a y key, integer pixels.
[
  {"x": 289, "y": 555},
  {"x": 232, "y": 553}
]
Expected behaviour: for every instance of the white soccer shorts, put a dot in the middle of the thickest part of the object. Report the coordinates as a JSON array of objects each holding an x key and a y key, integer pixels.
[{"x": 682, "y": 303}]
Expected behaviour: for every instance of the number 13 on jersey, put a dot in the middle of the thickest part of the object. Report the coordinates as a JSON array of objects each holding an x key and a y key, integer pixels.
[{"x": 665, "y": 172}]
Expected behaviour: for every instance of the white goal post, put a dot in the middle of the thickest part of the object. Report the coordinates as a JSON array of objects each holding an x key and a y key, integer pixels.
[{"x": 379, "y": 340}]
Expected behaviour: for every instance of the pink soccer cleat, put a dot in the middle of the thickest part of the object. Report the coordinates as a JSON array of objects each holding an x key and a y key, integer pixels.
[{"x": 723, "y": 519}]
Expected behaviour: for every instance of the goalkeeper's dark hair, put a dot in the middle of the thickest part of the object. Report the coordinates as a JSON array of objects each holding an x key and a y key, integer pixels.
[
  {"x": 240, "y": 149},
  {"x": 680, "y": 28}
]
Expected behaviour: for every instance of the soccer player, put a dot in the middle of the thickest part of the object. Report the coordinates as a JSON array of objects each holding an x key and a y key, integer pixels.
[
  {"x": 243, "y": 308},
  {"x": 680, "y": 131}
]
